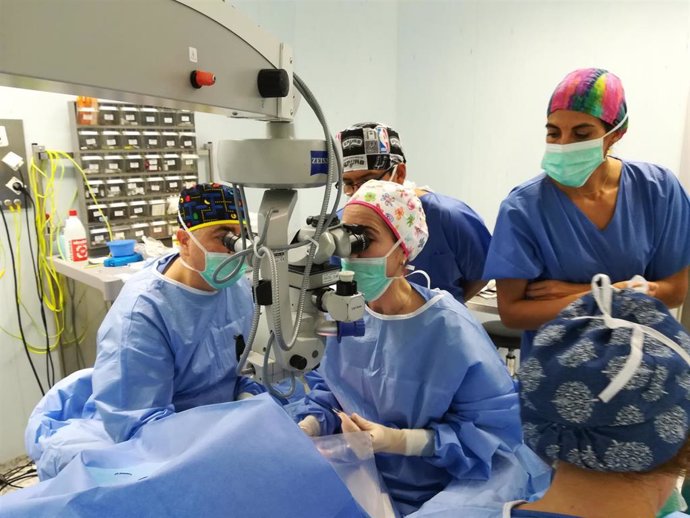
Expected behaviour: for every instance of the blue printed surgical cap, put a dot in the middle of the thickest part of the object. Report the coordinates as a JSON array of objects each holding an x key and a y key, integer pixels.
[{"x": 607, "y": 386}]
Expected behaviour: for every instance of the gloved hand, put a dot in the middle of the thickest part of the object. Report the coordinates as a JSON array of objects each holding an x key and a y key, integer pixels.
[
  {"x": 391, "y": 440},
  {"x": 310, "y": 425}
]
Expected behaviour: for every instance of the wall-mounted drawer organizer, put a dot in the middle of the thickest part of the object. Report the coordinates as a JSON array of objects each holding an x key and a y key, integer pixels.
[{"x": 135, "y": 158}]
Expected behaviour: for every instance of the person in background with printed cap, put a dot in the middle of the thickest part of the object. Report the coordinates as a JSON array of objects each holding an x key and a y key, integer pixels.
[
  {"x": 425, "y": 380},
  {"x": 458, "y": 242},
  {"x": 587, "y": 213},
  {"x": 166, "y": 345},
  {"x": 605, "y": 397}
]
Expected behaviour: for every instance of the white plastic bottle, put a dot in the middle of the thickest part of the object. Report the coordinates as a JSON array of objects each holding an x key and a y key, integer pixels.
[{"x": 75, "y": 239}]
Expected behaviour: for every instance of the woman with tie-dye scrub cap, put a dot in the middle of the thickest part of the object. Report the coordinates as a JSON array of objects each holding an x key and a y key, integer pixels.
[
  {"x": 588, "y": 212},
  {"x": 605, "y": 397}
]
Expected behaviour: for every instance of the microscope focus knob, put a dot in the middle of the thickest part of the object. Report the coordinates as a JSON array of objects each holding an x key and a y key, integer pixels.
[{"x": 298, "y": 362}]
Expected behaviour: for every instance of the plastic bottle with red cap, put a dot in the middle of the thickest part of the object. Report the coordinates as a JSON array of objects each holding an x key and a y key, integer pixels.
[{"x": 75, "y": 239}]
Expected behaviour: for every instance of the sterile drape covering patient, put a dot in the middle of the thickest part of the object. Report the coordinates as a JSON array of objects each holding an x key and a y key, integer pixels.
[
  {"x": 605, "y": 396},
  {"x": 228, "y": 459},
  {"x": 166, "y": 345},
  {"x": 425, "y": 379},
  {"x": 587, "y": 213}
]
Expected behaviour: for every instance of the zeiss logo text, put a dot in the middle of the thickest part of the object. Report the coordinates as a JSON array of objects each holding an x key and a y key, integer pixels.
[{"x": 319, "y": 162}]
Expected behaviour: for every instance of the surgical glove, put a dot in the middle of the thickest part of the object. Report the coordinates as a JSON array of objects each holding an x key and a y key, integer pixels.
[
  {"x": 244, "y": 395},
  {"x": 639, "y": 283},
  {"x": 408, "y": 442},
  {"x": 310, "y": 425}
]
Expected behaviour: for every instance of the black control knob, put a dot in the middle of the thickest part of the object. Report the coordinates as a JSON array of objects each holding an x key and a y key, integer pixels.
[
  {"x": 298, "y": 362},
  {"x": 273, "y": 82}
]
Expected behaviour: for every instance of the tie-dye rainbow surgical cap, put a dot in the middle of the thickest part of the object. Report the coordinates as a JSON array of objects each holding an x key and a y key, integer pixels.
[{"x": 595, "y": 91}]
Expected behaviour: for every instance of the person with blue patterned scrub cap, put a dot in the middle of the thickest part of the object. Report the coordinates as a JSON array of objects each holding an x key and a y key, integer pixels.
[
  {"x": 167, "y": 343},
  {"x": 425, "y": 380},
  {"x": 588, "y": 212},
  {"x": 455, "y": 252},
  {"x": 605, "y": 396}
]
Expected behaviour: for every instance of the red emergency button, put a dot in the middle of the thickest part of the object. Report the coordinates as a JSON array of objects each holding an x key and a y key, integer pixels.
[{"x": 201, "y": 78}]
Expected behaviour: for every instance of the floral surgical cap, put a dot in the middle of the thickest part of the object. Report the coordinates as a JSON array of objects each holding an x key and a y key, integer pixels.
[
  {"x": 607, "y": 386},
  {"x": 400, "y": 209}
]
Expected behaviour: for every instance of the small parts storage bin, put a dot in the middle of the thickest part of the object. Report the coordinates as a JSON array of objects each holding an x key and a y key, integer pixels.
[
  {"x": 190, "y": 180},
  {"x": 119, "y": 210},
  {"x": 159, "y": 229},
  {"x": 189, "y": 163},
  {"x": 155, "y": 185},
  {"x": 173, "y": 184},
  {"x": 139, "y": 230},
  {"x": 136, "y": 187},
  {"x": 149, "y": 116},
  {"x": 88, "y": 139},
  {"x": 120, "y": 232},
  {"x": 97, "y": 187},
  {"x": 157, "y": 207},
  {"x": 138, "y": 209},
  {"x": 171, "y": 162},
  {"x": 115, "y": 188},
  {"x": 108, "y": 115},
  {"x": 166, "y": 118},
  {"x": 98, "y": 236},
  {"x": 152, "y": 163},
  {"x": 129, "y": 116},
  {"x": 134, "y": 163},
  {"x": 185, "y": 118},
  {"x": 113, "y": 164},
  {"x": 152, "y": 139},
  {"x": 169, "y": 139},
  {"x": 92, "y": 164},
  {"x": 97, "y": 213},
  {"x": 188, "y": 140},
  {"x": 111, "y": 139},
  {"x": 131, "y": 139}
]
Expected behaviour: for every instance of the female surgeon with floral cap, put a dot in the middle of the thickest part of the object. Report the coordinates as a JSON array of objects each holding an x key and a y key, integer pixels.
[
  {"x": 587, "y": 213},
  {"x": 425, "y": 380},
  {"x": 166, "y": 345}
]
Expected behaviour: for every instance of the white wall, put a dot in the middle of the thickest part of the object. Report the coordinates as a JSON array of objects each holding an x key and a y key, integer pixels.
[{"x": 465, "y": 82}]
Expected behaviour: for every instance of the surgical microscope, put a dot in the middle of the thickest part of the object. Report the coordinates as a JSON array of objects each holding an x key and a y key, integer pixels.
[{"x": 204, "y": 55}]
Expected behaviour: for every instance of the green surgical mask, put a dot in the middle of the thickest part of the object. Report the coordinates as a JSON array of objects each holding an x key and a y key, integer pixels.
[
  {"x": 370, "y": 274},
  {"x": 216, "y": 265},
  {"x": 572, "y": 164}
]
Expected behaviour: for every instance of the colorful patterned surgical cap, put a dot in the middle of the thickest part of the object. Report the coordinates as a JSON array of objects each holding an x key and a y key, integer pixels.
[
  {"x": 370, "y": 146},
  {"x": 207, "y": 204},
  {"x": 607, "y": 386},
  {"x": 594, "y": 91},
  {"x": 400, "y": 209}
]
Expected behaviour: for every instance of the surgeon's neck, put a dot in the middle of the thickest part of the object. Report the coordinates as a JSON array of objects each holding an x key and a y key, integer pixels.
[
  {"x": 178, "y": 272},
  {"x": 399, "y": 299},
  {"x": 594, "y": 494}
]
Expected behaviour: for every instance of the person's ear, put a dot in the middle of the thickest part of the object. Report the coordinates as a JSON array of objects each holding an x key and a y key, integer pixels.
[
  {"x": 400, "y": 174},
  {"x": 183, "y": 239}
]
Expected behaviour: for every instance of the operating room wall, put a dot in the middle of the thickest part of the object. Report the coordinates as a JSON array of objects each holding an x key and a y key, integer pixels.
[{"x": 475, "y": 77}]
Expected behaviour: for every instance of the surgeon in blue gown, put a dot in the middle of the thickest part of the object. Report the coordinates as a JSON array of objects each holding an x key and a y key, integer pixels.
[
  {"x": 455, "y": 252},
  {"x": 425, "y": 379},
  {"x": 166, "y": 345},
  {"x": 587, "y": 213}
]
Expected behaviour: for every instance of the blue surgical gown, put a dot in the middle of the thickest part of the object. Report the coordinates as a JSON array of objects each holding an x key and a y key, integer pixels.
[
  {"x": 457, "y": 246},
  {"x": 435, "y": 369},
  {"x": 163, "y": 347},
  {"x": 541, "y": 234}
]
